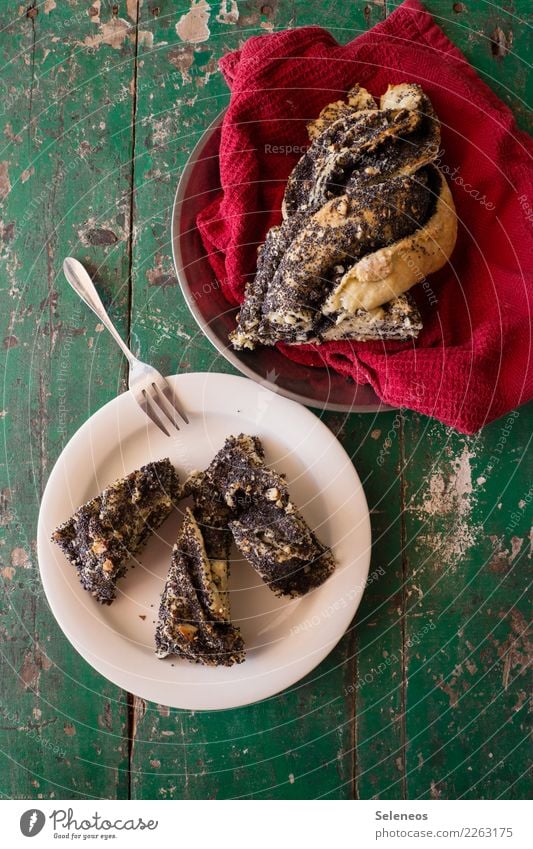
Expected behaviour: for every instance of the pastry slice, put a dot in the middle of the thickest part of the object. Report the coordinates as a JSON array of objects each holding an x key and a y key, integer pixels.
[
  {"x": 194, "y": 621},
  {"x": 266, "y": 526},
  {"x": 102, "y": 535},
  {"x": 279, "y": 544}
]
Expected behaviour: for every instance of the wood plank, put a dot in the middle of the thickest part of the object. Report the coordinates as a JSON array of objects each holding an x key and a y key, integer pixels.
[
  {"x": 468, "y": 649},
  {"x": 380, "y": 685},
  {"x": 466, "y": 623},
  {"x": 67, "y": 144},
  {"x": 299, "y": 744}
]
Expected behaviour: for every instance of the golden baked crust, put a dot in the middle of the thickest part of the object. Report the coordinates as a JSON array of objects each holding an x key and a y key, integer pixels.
[{"x": 383, "y": 275}]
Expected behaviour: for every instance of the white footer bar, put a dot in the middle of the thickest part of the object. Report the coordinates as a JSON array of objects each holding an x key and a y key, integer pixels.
[{"x": 255, "y": 824}]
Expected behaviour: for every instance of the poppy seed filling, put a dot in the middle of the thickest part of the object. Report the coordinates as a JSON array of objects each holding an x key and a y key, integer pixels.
[{"x": 104, "y": 534}]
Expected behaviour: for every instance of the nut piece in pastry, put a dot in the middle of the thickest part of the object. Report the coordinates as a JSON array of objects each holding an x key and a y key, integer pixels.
[{"x": 102, "y": 535}]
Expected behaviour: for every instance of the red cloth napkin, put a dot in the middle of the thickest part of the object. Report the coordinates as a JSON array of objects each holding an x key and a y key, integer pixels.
[{"x": 470, "y": 364}]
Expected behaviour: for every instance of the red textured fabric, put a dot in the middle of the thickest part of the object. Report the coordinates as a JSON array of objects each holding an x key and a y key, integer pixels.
[{"x": 470, "y": 364}]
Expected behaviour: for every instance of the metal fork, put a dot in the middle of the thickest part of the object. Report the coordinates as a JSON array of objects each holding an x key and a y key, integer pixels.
[{"x": 152, "y": 392}]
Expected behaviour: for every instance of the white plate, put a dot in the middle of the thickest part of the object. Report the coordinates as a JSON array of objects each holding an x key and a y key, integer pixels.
[{"x": 285, "y": 639}]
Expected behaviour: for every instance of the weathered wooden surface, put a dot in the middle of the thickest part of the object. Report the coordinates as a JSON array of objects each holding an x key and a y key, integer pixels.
[{"x": 427, "y": 695}]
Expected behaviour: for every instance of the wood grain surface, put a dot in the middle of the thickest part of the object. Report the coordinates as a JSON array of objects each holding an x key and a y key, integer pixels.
[{"x": 426, "y": 696}]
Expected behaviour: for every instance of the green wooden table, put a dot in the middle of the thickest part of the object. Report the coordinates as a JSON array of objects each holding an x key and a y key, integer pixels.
[{"x": 426, "y": 696}]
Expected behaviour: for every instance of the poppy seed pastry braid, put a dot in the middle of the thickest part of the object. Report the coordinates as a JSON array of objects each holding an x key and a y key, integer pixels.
[{"x": 366, "y": 215}]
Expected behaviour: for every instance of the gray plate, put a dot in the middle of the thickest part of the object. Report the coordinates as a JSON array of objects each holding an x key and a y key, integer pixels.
[{"x": 316, "y": 387}]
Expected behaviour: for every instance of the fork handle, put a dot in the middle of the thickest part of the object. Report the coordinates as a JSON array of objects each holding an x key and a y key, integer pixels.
[{"x": 82, "y": 284}]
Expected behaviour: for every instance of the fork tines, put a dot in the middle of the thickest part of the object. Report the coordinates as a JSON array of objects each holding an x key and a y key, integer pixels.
[{"x": 160, "y": 405}]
